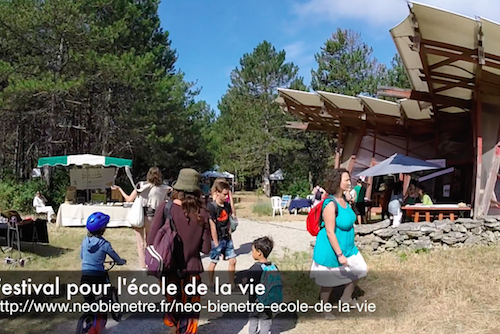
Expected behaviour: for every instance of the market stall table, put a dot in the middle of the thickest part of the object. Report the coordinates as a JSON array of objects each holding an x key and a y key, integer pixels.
[
  {"x": 298, "y": 204},
  {"x": 439, "y": 210},
  {"x": 76, "y": 215}
]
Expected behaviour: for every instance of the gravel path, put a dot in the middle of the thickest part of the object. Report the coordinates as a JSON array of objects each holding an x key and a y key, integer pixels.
[{"x": 286, "y": 235}]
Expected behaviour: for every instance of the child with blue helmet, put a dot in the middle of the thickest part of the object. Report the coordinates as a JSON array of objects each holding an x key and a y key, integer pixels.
[{"x": 94, "y": 250}]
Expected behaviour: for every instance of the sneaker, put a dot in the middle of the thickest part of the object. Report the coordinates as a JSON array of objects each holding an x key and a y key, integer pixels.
[
  {"x": 351, "y": 302},
  {"x": 329, "y": 316}
]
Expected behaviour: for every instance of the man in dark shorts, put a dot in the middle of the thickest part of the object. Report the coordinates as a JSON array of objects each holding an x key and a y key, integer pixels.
[
  {"x": 220, "y": 228},
  {"x": 359, "y": 204}
]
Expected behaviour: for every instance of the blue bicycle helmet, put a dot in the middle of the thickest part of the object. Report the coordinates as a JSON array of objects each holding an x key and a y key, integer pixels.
[{"x": 97, "y": 221}]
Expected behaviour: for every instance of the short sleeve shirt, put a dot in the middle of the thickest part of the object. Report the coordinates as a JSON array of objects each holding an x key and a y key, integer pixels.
[{"x": 220, "y": 216}]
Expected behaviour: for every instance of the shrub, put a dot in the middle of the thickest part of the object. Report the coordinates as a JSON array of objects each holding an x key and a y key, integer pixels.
[
  {"x": 297, "y": 187},
  {"x": 18, "y": 195},
  {"x": 262, "y": 209}
]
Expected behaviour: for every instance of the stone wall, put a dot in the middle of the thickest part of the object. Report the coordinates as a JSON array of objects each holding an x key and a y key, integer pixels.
[{"x": 381, "y": 237}]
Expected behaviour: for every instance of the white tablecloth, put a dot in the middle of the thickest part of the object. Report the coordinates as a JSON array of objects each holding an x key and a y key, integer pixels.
[{"x": 76, "y": 215}]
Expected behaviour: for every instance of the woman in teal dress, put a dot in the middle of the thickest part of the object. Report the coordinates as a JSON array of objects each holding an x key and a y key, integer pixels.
[{"x": 336, "y": 259}]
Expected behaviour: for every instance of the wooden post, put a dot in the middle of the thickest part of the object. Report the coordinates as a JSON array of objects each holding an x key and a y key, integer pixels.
[
  {"x": 479, "y": 158},
  {"x": 406, "y": 183},
  {"x": 339, "y": 147},
  {"x": 370, "y": 181},
  {"x": 490, "y": 184}
]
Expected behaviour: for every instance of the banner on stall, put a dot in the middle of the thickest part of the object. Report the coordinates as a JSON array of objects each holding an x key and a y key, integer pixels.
[{"x": 92, "y": 178}]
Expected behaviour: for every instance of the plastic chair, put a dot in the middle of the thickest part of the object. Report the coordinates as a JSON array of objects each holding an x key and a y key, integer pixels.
[
  {"x": 276, "y": 205},
  {"x": 285, "y": 201}
]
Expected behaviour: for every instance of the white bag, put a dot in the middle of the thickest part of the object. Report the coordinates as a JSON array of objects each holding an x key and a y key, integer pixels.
[{"x": 136, "y": 214}]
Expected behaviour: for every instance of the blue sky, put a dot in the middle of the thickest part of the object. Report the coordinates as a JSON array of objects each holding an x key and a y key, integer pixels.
[{"x": 211, "y": 36}]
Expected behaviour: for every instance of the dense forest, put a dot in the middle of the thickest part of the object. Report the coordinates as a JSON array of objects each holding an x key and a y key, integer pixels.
[{"x": 100, "y": 77}]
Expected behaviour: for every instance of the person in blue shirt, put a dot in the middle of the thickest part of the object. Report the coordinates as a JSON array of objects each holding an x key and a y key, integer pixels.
[
  {"x": 336, "y": 259},
  {"x": 94, "y": 251}
]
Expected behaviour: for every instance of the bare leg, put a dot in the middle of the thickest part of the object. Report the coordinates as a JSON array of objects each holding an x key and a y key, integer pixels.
[
  {"x": 147, "y": 226},
  {"x": 324, "y": 295},
  {"x": 231, "y": 269},
  {"x": 359, "y": 219},
  {"x": 211, "y": 272},
  {"x": 348, "y": 291},
  {"x": 139, "y": 235}
]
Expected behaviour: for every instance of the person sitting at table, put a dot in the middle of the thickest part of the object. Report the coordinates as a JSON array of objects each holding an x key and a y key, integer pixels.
[
  {"x": 424, "y": 197},
  {"x": 395, "y": 204},
  {"x": 412, "y": 196},
  {"x": 39, "y": 204}
]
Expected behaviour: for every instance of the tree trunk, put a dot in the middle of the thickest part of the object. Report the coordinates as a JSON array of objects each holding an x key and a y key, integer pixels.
[
  {"x": 267, "y": 182},
  {"x": 105, "y": 130},
  {"x": 16, "y": 152}
]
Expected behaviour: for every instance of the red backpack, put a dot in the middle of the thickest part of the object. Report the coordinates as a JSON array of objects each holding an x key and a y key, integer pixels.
[{"x": 314, "y": 217}]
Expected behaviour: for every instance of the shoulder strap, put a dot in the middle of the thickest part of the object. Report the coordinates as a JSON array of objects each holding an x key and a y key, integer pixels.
[
  {"x": 330, "y": 200},
  {"x": 334, "y": 201},
  {"x": 168, "y": 215}
]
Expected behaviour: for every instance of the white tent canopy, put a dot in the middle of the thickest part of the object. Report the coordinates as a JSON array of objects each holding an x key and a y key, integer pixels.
[
  {"x": 212, "y": 173},
  {"x": 277, "y": 176}
]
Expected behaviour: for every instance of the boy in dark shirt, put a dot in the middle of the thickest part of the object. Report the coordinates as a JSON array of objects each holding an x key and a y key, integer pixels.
[
  {"x": 220, "y": 228},
  {"x": 261, "y": 248}
]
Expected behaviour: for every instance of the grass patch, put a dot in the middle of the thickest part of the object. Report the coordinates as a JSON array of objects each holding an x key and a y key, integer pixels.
[
  {"x": 262, "y": 209},
  {"x": 439, "y": 291}
]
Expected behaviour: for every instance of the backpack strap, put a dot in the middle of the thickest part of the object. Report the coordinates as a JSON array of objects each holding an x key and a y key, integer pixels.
[
  {"x": 168, "y": 215},
  {"x": 162, "y": 212},
  {"x": 323, "y": 205}
]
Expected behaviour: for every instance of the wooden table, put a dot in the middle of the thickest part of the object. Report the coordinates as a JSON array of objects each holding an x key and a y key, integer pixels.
[{"x": 441, "y": 210}]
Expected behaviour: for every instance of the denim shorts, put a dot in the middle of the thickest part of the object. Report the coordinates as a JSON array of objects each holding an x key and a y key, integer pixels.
[{"x": 225, "y": 247}]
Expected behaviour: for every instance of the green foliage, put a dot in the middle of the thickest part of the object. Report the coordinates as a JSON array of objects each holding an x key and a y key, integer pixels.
[
  {"x": 296, "y": 187},
  {"x": 249, "y": 133},
  {"x": 396, "y": 75},
  {"x": 93, "y": 76},
  {"x": 56, "y": 194},
  {"x": 19, "y": 195},
  {"x": 403, "y": 256},
  {"x": 346, "y": 66},
  {"x": 262, "y": 209}
]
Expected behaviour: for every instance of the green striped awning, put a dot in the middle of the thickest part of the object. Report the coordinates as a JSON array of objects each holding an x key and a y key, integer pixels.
[{"x": 84, "y": 159}]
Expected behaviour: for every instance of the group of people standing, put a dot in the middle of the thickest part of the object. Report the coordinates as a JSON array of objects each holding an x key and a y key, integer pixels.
[{"x": 201, "y": 227}]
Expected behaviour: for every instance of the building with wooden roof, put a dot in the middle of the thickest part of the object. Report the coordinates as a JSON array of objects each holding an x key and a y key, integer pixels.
[{"x": 453, "y": 64}]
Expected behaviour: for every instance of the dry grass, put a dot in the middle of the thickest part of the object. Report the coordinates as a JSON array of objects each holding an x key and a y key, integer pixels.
[
  {"x": 249, "y": 198},
  {"x": 453, "y": 291},
  {"x": 63, "y": 251},
  {"x": 438, "y": 292}
]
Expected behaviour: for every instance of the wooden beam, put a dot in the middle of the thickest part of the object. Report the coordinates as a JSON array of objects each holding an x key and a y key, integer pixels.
[
  {"x": 426, "y": 97},
  {"x": 451, "y": 76},
  {"x": 442, "y": 63},
  {"x": 396, "y": 92}
]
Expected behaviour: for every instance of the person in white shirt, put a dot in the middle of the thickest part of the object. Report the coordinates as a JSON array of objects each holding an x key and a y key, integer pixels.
[
  {"x": 39, "y": 204},
  {"x": 152, "y": 192}
]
